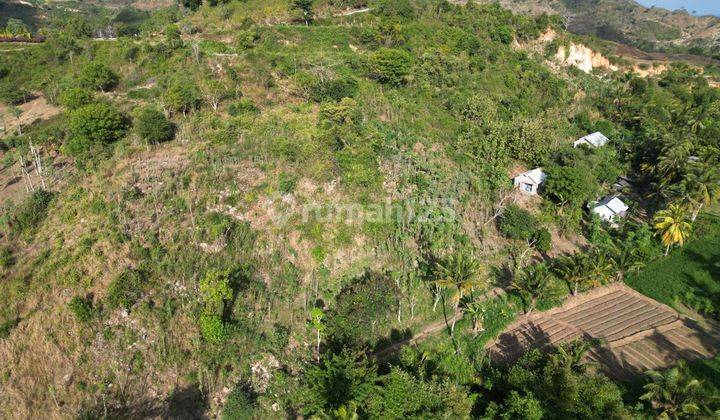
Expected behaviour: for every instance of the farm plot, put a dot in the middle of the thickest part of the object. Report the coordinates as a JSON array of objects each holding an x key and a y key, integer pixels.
[{"x": 635, "y": 332}]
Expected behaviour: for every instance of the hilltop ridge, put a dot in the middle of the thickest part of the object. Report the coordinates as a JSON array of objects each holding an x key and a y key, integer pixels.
[{"x": 629, "y": 22}]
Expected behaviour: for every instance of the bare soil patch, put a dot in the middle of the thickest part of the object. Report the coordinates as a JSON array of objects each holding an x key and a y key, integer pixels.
[{"x": 31, "y": 111}]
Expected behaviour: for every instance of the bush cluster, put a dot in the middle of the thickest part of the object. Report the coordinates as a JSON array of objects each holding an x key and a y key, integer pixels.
[
  {"x": 517, "y": 223},
  {"x": 82, "y": 308},
  {"x": 125, "y": 289},
  {"x": 32, "y": 212},
  {"x": 152, "y": 125}
]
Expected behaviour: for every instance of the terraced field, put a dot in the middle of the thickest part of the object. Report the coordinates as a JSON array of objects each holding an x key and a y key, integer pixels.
[{"x": 636, "y": 333}]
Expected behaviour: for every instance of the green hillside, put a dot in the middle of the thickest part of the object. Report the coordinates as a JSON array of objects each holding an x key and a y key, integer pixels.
[{"x": 231, "y": 209}]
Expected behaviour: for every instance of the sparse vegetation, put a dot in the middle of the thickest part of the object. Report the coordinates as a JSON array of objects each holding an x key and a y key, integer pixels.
[{"x": 263, "y": 208}]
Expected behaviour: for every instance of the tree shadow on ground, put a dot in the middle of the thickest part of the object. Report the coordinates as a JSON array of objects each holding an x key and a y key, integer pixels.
[
  {"x": 511, "y": 345},
  {"x": 187, "y": 403},
  {"x": 711, "y": 265}
]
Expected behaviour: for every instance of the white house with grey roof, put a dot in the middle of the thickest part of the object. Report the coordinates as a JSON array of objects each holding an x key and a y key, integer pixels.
[
  {"x": 610, "y": 209},
  {"x": 530, "y": 181},
  {"x": 595, "y": 140}
]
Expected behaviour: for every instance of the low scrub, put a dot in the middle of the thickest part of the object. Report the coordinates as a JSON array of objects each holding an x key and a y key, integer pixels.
[{"x": 31, "y": 212}]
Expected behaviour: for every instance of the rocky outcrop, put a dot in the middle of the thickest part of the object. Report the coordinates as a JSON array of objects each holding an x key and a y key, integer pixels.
[{"x": 582, "y": 57}]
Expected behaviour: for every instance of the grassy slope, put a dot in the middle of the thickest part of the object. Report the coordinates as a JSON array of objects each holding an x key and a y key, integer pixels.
[
  {"x": 98, "y": 227},
  {"x": 694, "y": 268}
]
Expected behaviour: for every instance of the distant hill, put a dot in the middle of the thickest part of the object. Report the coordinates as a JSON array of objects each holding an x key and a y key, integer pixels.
[
  {"x": 628, "y": 22},
  {"x": 35, "y": 12}
]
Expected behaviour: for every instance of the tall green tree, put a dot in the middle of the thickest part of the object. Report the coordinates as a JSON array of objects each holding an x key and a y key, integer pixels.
[
  {"x": 572, "y": 270},
  {"x": 343, "y": 379}
]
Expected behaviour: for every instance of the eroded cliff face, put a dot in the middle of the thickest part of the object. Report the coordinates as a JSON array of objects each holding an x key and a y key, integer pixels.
[
  {"x": 582, "y": 57},
  {"x": 576, "y": 55}
]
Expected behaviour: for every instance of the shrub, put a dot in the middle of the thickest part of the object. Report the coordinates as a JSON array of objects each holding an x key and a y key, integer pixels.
[
  {"x": 402, "y": 9},
  {"x": 215, "y": 290},
  {"x": 182, "y": 96},
  {"x": 243, "y": 106},
  {"x": 82, "y": 308},
  {"x": 98, "y": 76},
  {"x": 192, "y": 4},
  {"x": 287, "y": 182},
  {"x": 212, "y": 328},
  {"x": 246, "y": 38},
  {"x": 152, "y": 125},
  {"x": 334, "y": 89},
  {"x": 503, "y": 34},
  {"x": 569, "y": 185},
  {"x": 217, "y": 225},
  {"x": 7, "y": 327},
  {"x": 125, "y": 290},
  {"x": 7, "y": 259},
  {"x": 75, "y": 98},
  {"x": 13, "y": 95},
  {"x": 31, "y": 212},
  {"x": 98, "y": 123},
  {"x": 517, "y": 223},
  {"x": 390, "y": 66},
  {"x": 304, "y": 9},
  {"x": 238, "y": 406},
  {"x": 543, "y": 240}
]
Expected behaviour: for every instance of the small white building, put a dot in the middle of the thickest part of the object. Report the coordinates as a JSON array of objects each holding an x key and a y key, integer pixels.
[
  {"x": 610, "y": 208},
  {"x": 530, "y": 181},
  {"x": 595, "y": 140}
]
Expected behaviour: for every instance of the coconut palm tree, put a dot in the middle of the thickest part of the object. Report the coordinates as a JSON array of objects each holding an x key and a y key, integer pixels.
[
  {"x": 476, "y": 312},
  {"x": 572, "y": 355},
  {"x": 571, "y": 270},
  {"x": 674, "y": 393},
  {"x": 702, "y": 187},
  {"x": 532, "y": 283},
  {"x": 461, "y": 272},
  {"x": 599, "y": 268},
  {"x": 672, "y": 225},
  {"x": 624, "y": 261},
  {"x": 586, "y": 269},
  {"x": 674, "y": 158}
]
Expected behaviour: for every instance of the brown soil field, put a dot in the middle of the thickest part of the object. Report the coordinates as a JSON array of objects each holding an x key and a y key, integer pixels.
[
  {"x": 36, "y": 109},
  {"x": 636, "y": 333}
]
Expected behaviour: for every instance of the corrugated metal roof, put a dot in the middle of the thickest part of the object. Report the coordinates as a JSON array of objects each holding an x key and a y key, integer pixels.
[{"x": 596, "y": 139}]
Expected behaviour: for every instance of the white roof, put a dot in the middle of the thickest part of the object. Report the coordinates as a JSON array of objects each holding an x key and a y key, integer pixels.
[
  {"x": 596, "y": 139},
  {"x": 612, "y": 203},
  {"x": 536, "y": 176}
]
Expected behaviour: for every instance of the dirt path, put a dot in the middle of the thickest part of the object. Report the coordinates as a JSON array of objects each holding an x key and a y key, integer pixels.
[
  {"x": 430, "y": 329},
  {"x": 353, "y": 12}
]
